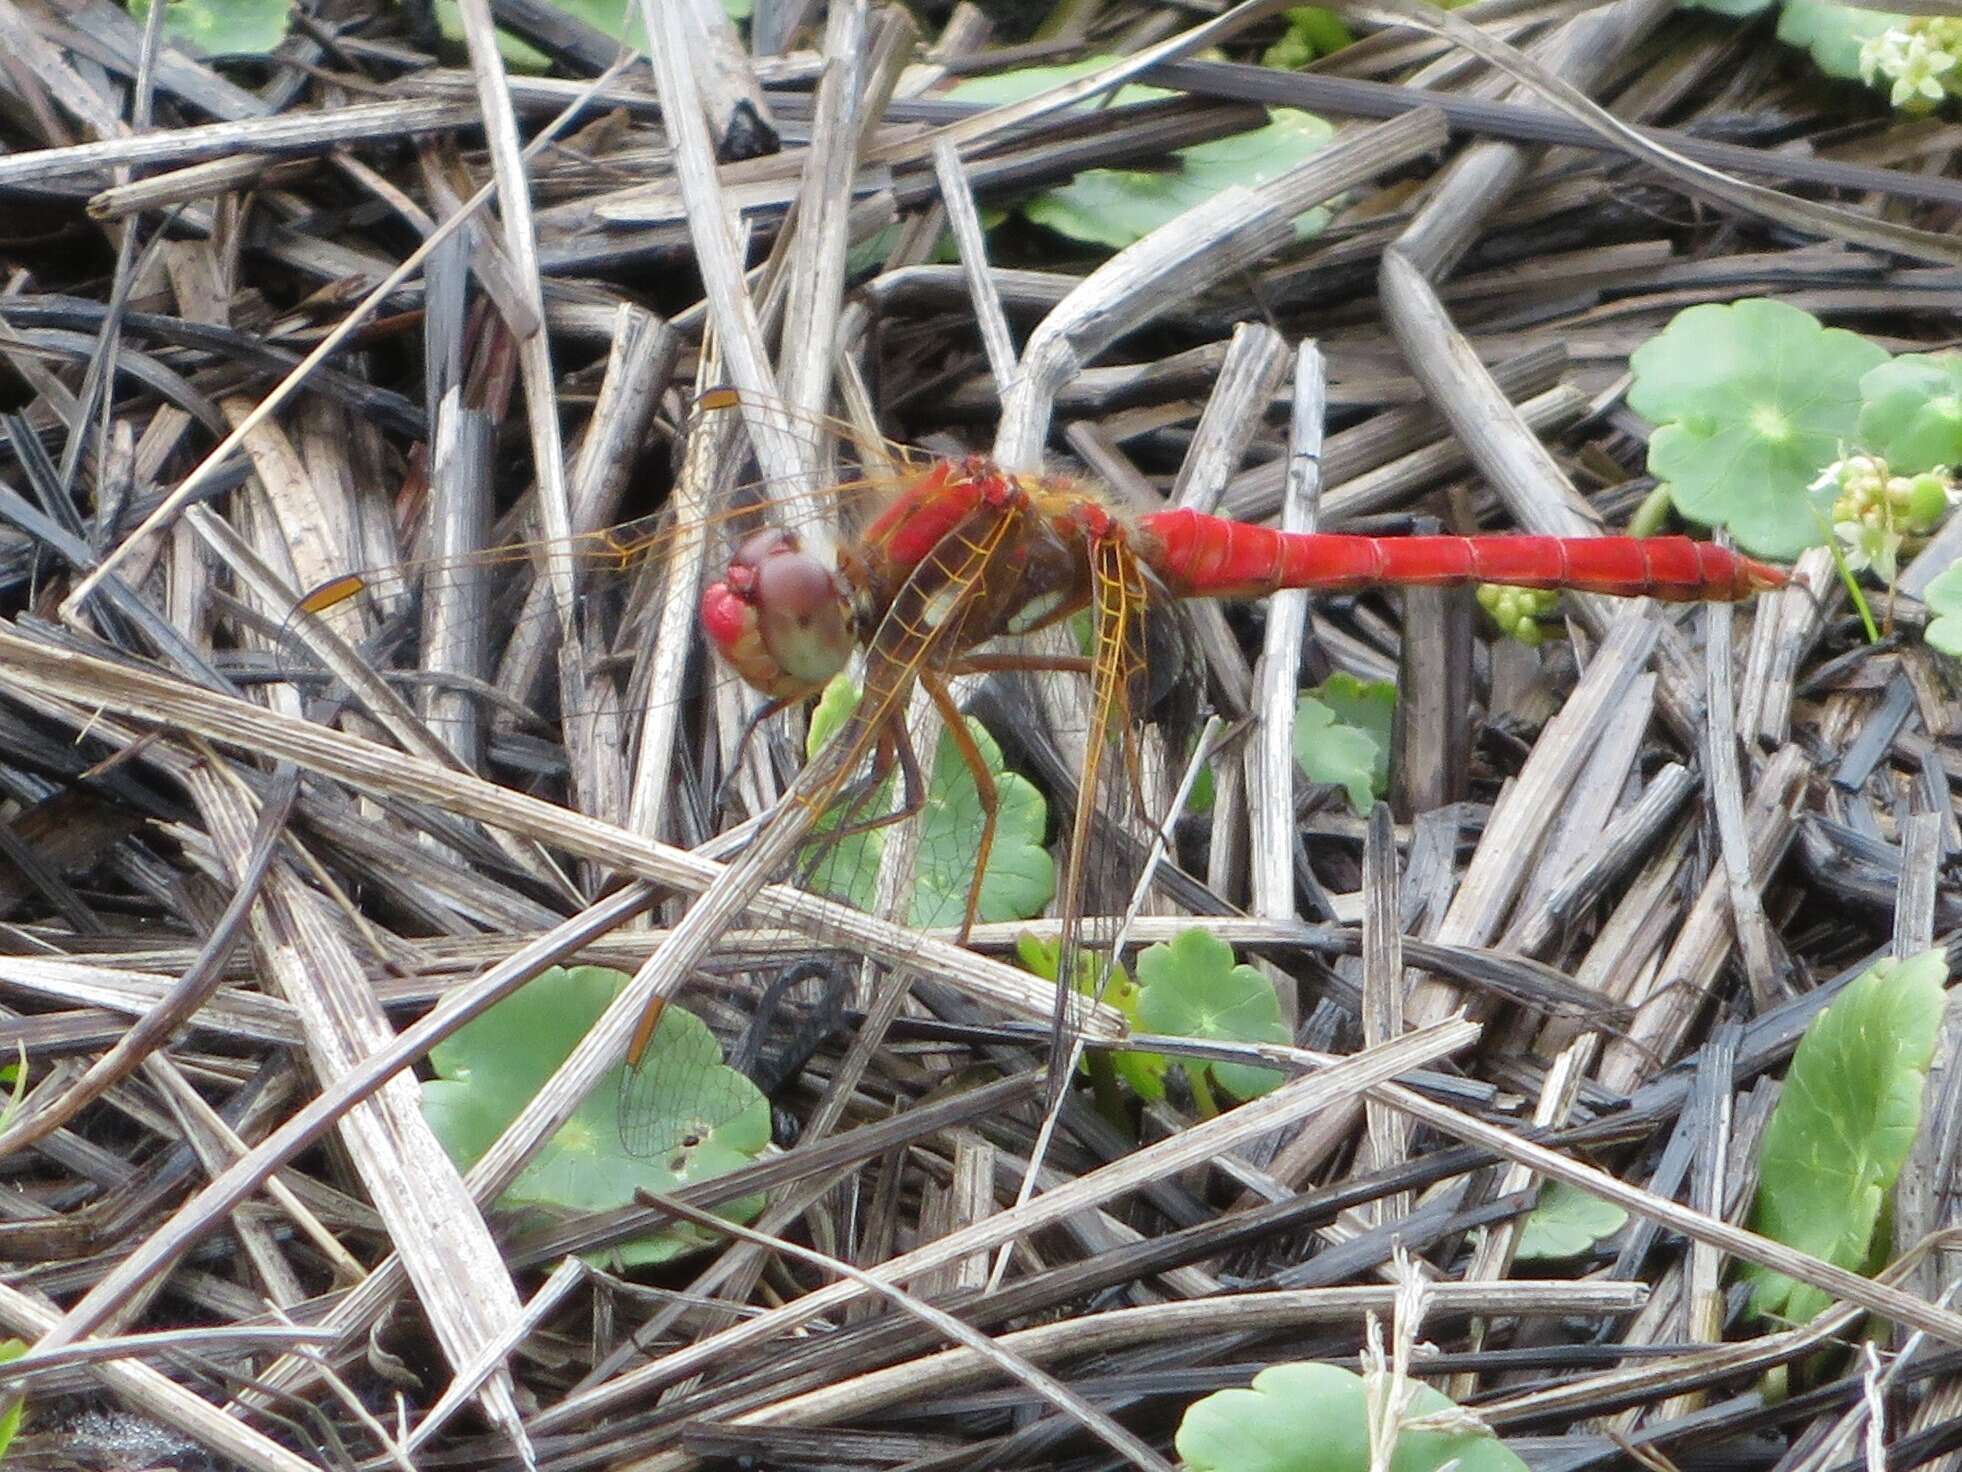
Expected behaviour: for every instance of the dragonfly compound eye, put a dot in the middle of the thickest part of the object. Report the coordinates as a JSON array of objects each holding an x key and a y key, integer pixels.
[
  {"x": 778, "y": 616},
  {"x": 759, "y": 547},
  {"x": 802, "y": 615}
]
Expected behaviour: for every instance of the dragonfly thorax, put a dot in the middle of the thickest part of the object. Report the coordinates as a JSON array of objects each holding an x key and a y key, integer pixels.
[{"x": 779, "y": 616}]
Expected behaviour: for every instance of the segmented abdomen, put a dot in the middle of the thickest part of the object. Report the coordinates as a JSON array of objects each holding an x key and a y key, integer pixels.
[{"x": 1208, "y": 556}]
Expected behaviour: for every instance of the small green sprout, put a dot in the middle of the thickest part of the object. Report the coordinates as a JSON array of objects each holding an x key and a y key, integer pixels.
[
  {"x": 1342, "y": 735},
  {"x": 1144, "y": 1072},
  {"x": 14, "y": 1077},
  {"x": 11, "y": 1349},
  {"x": 1843, "y": 1126},
  {"x": 1312, "y": 32},
  {"x": 1518, "y": 611}
]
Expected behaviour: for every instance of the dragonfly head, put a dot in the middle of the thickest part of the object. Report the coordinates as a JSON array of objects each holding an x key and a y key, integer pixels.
[{"x": 779, "y": 616}]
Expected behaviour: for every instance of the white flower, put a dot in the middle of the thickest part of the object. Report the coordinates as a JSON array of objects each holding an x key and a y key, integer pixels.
[
  {"x": 1883, "y": 55},
  {"x": 1917, "y": 61},
  {"x": 1870, "y": 546},
  {"x": 1860, "y": 482},
  {"x": 1921, "y": 77}
]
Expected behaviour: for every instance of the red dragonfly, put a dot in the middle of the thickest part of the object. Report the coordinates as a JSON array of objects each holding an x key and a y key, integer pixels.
[
  {"x": 968, "y": 553},
  {"x": 965, "y": 554}
]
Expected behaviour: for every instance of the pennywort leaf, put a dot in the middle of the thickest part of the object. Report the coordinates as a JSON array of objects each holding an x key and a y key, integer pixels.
[
  {"x": 1342, "y": 735},
  {"x": 1911, "y": 412},
  {"x": 1944, "y": 594},
  {"x": 1833, "y": 33},
  {"x": 1193, "y": 989},
  {"x": 1844, "y": 1123},
  {"x": 1751, "y": 400},
  {"x": 1567, "y": 1222},
  {"x": 1021, "y": 876},
  {"x": 490, "y": 1068},
  {"x": 1115, "y": 207},
  {"x": 223, "y": 27},
  {"x": 1312, "y": 1417}
]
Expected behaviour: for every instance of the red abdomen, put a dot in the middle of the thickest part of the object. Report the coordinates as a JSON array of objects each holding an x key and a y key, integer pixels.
[{"x": 1203, "y": 556}]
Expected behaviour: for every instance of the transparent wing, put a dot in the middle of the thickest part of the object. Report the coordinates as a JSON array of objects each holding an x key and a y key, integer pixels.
[{"x": 678, "y": 1099}]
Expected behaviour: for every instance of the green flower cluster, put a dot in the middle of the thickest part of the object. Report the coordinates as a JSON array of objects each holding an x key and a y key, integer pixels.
[
  {"x": 1919, "y": 58},
  {"x": 1877, "y": 515},
  {"x": 1518, "y": 611}
]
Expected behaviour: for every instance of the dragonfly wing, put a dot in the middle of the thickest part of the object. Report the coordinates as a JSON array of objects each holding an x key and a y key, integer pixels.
[
  {"x": 846, "y": 792},
  {"x": 1110, "y": 792},
  {"x": 685, "y": 1092}
]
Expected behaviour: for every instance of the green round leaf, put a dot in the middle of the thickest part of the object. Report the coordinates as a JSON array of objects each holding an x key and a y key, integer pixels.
[
  {"x": 1833, "y": 33},
  {"x": 223, "y": 27},
  {"x": 1844, "y": 1123},
  {"x": 1735, "y": 8},
  {"x": 1342, "y": 735},
  {"x": 11, "y": 1349},
  {"x": 1141, "y": 1070},
  {"x": 490, "y": 1068},
  {"x": 1752, "y": 400},
  {"x": 1911, "y": 412},
  {"x": 1115, "y": 207},
  {"x": 1021, "y": 876},
  {"x": 1312, "y": 32},
  {"x": 519, "y": 54},
  {"x": 1944, "y": 595},
  {"x": 1311, "y": 1417},
  {"x": 1364, "y": 705},
  {"x": 1192, "y": 989},
  {"x": 619, "y": 19},
  {"x": 1567, "y": 1222}
]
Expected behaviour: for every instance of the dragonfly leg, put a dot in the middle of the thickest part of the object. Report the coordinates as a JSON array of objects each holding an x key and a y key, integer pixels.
[
  {"x": 761, "y": 714},
  {"x": 894, "y": 744},
  {"x": 984, "y": 791}
]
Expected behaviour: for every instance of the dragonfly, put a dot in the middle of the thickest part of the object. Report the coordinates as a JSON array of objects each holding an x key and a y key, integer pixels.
[
  {"x": 964, "y": 562},
  {"x": 969, "y": 554}
]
